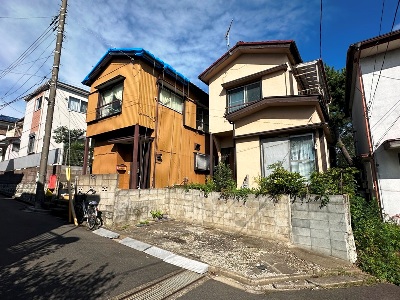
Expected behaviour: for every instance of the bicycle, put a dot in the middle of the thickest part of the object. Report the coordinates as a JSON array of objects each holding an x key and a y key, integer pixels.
[{"x": 87, "y": 211}]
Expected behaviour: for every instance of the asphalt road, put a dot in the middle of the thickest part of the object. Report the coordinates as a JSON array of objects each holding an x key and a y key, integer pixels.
[
  {"x": 219, "y": 291},
  {"x": 44, "y": 257}
]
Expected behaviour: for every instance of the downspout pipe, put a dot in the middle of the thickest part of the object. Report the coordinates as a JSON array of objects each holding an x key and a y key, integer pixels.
[
  {"x": 367, "y": 127},
  {"x": 153, "y": 185}
]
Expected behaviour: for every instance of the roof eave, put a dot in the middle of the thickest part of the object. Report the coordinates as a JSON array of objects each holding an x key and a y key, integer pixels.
[
  {"x": 273, "y": 101},
  {"x": 240, "y": 47}
]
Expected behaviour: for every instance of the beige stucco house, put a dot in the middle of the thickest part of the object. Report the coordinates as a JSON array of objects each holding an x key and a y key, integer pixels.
[{"x": 267, "y": 106}]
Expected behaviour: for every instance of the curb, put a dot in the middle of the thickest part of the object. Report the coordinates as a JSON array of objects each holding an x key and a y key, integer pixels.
[
  {"x": 164, "y": 255},
  {"x": 280, "y": 282}
]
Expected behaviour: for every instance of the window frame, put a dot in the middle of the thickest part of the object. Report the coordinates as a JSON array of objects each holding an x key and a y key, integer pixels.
[
  {"x": 114, "y": 107},
  {"x": 31, "y": 143},
  {"x": 287, "y": 140},
  {"x": 38, "y": 103},
  {"x": 176, "y": 96},
  {"x": 291, "y": 138},
  {"x": 80, "y": 105},
  {"x": 245, "y": 101}
]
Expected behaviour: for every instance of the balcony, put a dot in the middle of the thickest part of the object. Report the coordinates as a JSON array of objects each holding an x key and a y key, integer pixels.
[{"x": 109, "y": 109}]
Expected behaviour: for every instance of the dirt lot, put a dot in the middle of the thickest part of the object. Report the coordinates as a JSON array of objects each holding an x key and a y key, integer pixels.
[{"x": 247, "y": 256}]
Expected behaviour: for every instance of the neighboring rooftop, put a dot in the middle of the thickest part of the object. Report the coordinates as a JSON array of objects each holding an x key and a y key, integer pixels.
[
  {"x": 370, "y": 47},
  {"x": 8, "y": 119},
  {"x": 46, "y": 86}
]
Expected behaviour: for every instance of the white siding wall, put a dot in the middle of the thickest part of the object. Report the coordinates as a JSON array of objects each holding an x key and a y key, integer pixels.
[
  {"x": 383, "y": 98},
  {"x": 61, "y": 117},
  {"x": 23, "y": 150}
]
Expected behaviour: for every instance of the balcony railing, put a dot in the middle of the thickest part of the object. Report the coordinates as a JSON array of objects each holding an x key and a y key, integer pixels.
[
  {"x": 236, "y": 107},
  {"x": 108, "y": 109}
]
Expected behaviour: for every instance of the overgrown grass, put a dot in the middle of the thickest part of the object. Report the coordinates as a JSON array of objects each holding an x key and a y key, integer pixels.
[{"x": 377, "y": 241}]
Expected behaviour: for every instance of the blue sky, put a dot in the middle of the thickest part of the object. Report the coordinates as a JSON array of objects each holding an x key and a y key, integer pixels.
[{"x": 189, "y": 34}]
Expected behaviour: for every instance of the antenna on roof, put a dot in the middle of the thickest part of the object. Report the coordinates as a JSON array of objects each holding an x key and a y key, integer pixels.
[{"x": 227, "y": 35}]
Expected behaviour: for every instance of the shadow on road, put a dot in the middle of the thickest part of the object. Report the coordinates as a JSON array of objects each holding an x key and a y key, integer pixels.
[{"x": 33, "y": 260}]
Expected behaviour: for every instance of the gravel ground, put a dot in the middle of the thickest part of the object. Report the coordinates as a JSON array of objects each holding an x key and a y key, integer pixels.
[{"x": 251, "y": 257}]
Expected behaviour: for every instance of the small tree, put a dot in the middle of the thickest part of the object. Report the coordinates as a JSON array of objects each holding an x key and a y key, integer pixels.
[
  {"x": 223, "y": 178},
  {"x": 340, "y": 124},
  {"x": 73, "y": 146}
]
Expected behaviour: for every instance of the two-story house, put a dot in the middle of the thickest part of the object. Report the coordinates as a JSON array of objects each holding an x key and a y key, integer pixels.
[
  {"x": 148, "y": 122},
  {"x": 7, "y": 134},
  {"x": 372, "y": 96},
  {"x": 10, "y": 144},
  {"x": 69, "y": 110},
  {"x": 267, "y": 106}
]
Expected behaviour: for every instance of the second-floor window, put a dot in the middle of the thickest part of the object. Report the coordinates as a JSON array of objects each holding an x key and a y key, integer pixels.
[
  {"x": 201, "y": 118},
  {"x": 31, "y": 143},
  {"x": 110, "y": 100},
  {"x": 78, "y": 105},
  {"x": 171, "y": 99},
  {"x": 38, "y": 103},
  {"x": 241, "y": 96}
]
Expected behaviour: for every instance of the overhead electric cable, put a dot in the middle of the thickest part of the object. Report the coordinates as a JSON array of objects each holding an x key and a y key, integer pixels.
[
  {"x": 384, "y": 56},
  {"x": 28, "y": 51},
  {"x": 380, "y": 30},
  {"x": 320, "y": 30},
  {"x": 8, "y": 92}
]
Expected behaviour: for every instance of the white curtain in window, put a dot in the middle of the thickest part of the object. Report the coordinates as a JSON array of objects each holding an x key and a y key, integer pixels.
[
  {"x": 165, "y": 97},
  {"x": 302, "y": 158},
  {"x": 107, "y": 97},
  {"x": 171, "y": 100},
  {"x": 117, "y": 96},
  {"x": 73, "y": 104}
]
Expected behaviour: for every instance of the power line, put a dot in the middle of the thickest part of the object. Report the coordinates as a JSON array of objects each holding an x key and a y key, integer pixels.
[
  {"x": 320, "y": 30},
  {"x": 18, "y": 18},
  {"x": 29, "y": 50},
  {"x": 376, "y": 54},
  {"x": 384, "y": 56},
  {"x": 30, "y": 76}
]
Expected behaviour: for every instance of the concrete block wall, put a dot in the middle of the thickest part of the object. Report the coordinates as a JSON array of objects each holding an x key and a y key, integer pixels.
[
  {"x": 257, "y": 216},
  {"x": 325, "y": 230},
  {"x": 105, "y": 187},
  {"x": 21, "y": 183}
]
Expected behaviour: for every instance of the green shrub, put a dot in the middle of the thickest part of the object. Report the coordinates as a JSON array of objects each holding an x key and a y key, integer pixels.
[
  {"x": 223, "y": 178},
  {"x": 280, "y": 182},
  {"x": 207, "y": 188},
  {"x": 334, "y": 181},
  {"x": 377, "y": 242}
]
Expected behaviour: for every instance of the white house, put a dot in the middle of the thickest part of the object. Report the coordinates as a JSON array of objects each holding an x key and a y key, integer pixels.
[
  {"x": 7, "y": 135},
  {"x": 69, "y": 110},
  {"x": 373, "y": 98}
]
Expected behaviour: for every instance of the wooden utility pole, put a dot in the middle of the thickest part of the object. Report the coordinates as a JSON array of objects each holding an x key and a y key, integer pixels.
[{"x": 39, "y": 197}]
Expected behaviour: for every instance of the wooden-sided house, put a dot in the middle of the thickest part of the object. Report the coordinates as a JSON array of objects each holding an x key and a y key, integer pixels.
[{"x": 147, "y": 122}]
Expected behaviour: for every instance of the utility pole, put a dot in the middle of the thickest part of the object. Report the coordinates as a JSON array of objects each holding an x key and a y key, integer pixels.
[{"x": 39, "y": 197}]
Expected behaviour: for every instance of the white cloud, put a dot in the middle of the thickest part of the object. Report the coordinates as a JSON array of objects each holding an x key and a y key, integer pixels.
[{"x": 188, "y": 35}]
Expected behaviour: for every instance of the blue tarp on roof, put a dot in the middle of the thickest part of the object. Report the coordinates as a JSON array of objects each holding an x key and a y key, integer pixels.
[{"x": 132, "y": 53}]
